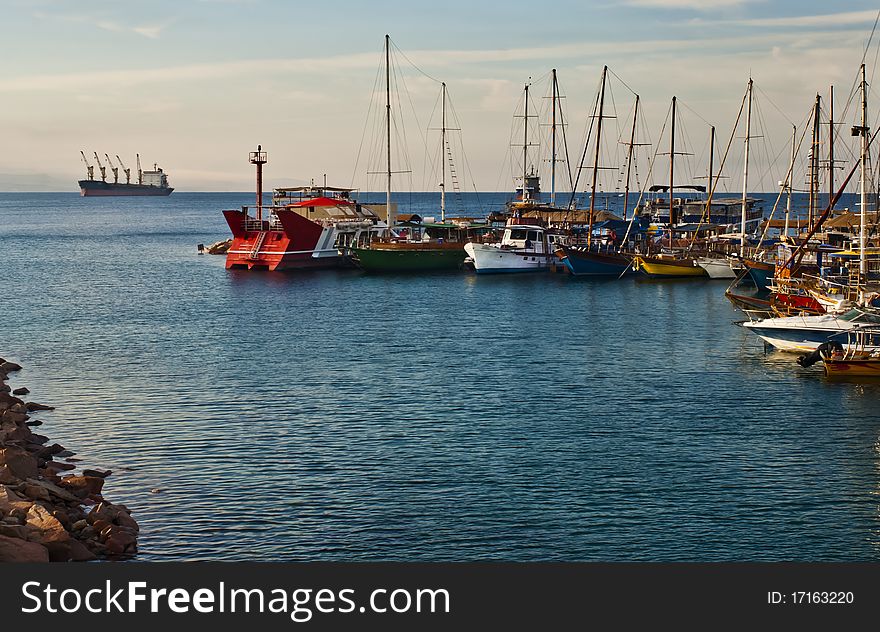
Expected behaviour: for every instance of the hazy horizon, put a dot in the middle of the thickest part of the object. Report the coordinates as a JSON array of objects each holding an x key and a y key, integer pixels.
[{"x": 194, "y": 86}]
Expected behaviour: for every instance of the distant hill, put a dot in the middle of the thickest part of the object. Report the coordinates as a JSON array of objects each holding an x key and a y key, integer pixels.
[{"x": 18, "y": 182}]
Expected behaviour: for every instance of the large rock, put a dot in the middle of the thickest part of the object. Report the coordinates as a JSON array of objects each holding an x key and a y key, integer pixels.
[
  {"x": 32, "y": 406},
  {"x": 49, "y": 532},
  {"x": 22, "y": 464},
  {"x": 9, "y": 367},
  {"x": 6, "y": 476},
  {"x": 11, "y": 503},
  {"x": 14, "y": 417},
  {"x": 83, "y": 486},
  {"x": 21, "y": 390},
  {"x": 17, "y": 550},
  {"x": 80, "y": 553}
]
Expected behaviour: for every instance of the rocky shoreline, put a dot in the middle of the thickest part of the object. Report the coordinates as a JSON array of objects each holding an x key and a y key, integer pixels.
[{"x": 47, "y": 512}]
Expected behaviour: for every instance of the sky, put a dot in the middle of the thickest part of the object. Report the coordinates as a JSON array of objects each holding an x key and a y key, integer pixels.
[{"x": 194, "y": 85}]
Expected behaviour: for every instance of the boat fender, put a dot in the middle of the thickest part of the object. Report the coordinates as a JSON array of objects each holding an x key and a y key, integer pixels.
[{"x": 823, "y": 350}]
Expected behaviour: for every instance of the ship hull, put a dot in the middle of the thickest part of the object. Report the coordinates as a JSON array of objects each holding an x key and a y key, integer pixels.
[
  {"x": 582, "y": 263},
  {"x": 98, "y": 188},
  {"x": 379, "y": 259},
  {"x": 669, "y": 268}
]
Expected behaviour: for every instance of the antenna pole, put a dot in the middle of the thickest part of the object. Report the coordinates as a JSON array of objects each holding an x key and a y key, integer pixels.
[{"x": 596, "y": 156}]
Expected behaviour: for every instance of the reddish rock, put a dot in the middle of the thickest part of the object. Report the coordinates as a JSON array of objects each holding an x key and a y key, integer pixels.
[
  {"x": 21, "y": 390},
  {"x": 22, "y": 464},
  {"x": 125, "y": 520},
  {"x": 80, "y": 553},
  {"x": 83, "y": 486},
  {"x": 50, "y": 533},
  {"x": 9, "y": 367},
  {"x": 14, "y": 531},
  {"x": 121, "y": 543},
  {"x": 17, "y": 550},
  {"x": 6, "y": 476},
  {"x": 13, "y": 417},
  {"x": 37, "y": 492}
]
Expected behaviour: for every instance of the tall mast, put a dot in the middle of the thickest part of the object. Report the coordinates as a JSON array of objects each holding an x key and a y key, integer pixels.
[
  {"x": 831, "y": 150},
  {"x": 389, "y": 216},
  {"x": 744, "y": 209},
  {"x": 711, "y": 169},
  {"x": 525, "y": 143},
  {"x": 553, "y": 145},
  {"x": 629, "y": 156},
  {"x": 863, "y": 198},
  {"x": 596, "y": 156},
  {"x": 443, "y": 155},
  {"x": 788, "y": 179},
  {"x": 671, "y": 171},
  {"x": 814, "y": 161}
]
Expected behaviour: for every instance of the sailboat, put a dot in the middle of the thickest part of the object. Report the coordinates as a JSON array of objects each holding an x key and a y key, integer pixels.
[
  {"x": 417, "y": 246},
  {"x": 670, "y": 265},
  {"x": 593, "y": 260}
]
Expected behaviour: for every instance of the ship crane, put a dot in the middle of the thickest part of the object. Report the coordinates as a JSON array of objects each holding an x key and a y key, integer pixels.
[
  {"x": 140, "y": 173},
  {"x": 126, "y": 171},
  {"x": 101, "y": 167},
  {"x": 114, "y": 169},
  {"x": 90, "y": 169}
]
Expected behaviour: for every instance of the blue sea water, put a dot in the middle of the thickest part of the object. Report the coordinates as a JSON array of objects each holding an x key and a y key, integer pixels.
[{"x": 341, "y": 416}]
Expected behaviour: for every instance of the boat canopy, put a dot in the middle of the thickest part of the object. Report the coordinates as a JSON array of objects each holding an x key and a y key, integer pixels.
[
  {"x": 321, "y": 201},
  {"x": 665, "y": 187}
]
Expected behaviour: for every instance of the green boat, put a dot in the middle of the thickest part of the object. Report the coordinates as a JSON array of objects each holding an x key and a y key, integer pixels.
[{"x": 418, "y": 247}]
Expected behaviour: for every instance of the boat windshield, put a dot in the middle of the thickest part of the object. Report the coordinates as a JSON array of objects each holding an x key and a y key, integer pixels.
[
  {"x": 857, "y": 315},
  {"x": 519, "y": 234}
]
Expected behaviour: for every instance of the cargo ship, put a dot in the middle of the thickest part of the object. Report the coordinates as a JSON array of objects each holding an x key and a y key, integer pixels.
[{"x": 151, "y": 182}]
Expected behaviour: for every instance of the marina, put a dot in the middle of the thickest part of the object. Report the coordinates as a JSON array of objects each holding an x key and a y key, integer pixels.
[
  {"x": 677, "y": 446},
  {"x": 449, "y": 301}
]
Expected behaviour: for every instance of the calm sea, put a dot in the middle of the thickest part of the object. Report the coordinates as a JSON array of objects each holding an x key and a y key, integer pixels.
[{"x": 340, "y": 416}]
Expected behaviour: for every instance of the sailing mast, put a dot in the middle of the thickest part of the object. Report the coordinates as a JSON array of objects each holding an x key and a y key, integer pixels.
[
  {"x": 863, "y": 199},
  {"x": 389, "y": 215},
  {"x": 553, "y": 144},
  {"x": 442, "y": 155},
  {"x": 711, "y": 169},
  {"x": 671, "y": 172},
  {"x": 814, "y": 161},
  {"x": 632, "y": 142},
  {"x": 742, "y": 240},
  {"x": 596, "y": 157},
  {"x": 831, "y": 149},
  {"x": 788, "y": 179},
  {"x": 525, "y": 193}
]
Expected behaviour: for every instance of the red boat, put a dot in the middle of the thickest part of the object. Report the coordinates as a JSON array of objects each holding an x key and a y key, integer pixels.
[{"x": 306, "y": 227}]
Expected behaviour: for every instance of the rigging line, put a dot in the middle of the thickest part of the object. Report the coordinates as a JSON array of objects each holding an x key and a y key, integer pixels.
[
  {"x": 714, "y": 185},
  {"x": 648, "y": 177},
  {"x": 788, "y": 181},
  {"x": 634, "y": 93},
  {"x": 411, "y": 63},
  {"x": 694, "y": 112},
  {"x": 870, "y": 37},
  {"x": 367, "y": 120},
  {"x": 778, "y": 109},
  {"x": 588, "y": 133}
]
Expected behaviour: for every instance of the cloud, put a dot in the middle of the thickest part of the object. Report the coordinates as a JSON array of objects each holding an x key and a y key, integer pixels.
[
  {"x": 77, "y": 81},
  {"x": 152, "y": 31},
  {"x": 699, "y": 5},
  {"x": 848, "y": 18}
]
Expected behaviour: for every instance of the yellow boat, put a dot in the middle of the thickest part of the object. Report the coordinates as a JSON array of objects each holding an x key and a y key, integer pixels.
[
  {"x": 852, "y": 365},
  {"x": 668, "y": 267}
]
